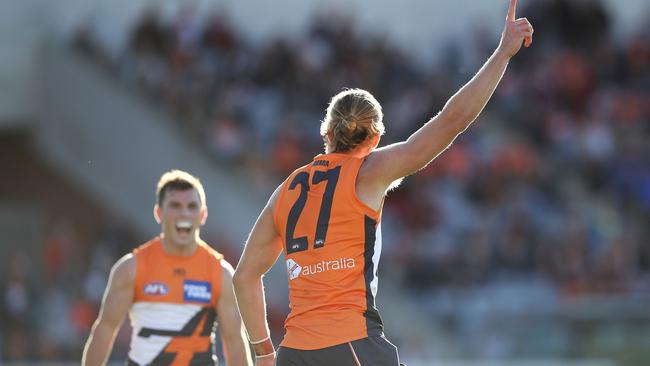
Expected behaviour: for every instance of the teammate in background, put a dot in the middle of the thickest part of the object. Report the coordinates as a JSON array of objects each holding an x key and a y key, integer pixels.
[
  {"x": 326, "y": 215},
  {"x": 175, "y": 287}
]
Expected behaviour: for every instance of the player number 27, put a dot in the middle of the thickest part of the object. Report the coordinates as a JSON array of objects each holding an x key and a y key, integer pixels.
[{"x": 302, "y": 179}]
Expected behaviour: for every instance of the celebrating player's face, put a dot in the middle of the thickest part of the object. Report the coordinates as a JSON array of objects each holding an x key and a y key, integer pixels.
[{"x": 181, "y": 215}]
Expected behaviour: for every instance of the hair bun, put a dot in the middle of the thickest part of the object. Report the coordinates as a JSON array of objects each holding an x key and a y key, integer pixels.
[
  {"x": 349, "y": 124},
  {"x": 352, "y": 116}
]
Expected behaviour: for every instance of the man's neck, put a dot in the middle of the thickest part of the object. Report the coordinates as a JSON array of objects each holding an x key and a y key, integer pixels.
[
  {"x": 359, "y": 151},
  {"x": 176, "y": 249}
]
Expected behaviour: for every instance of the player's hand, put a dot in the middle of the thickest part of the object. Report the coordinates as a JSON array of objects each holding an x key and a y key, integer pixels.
[
  {"x": 515, "y": 32},
  {"x": 266, "y": 360}
]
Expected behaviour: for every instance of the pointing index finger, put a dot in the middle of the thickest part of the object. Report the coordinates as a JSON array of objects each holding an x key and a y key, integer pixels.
[{"x": 512, "y": 9}]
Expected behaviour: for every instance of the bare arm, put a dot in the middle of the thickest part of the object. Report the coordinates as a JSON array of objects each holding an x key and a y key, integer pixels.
[
  {"x": 261, "y": 251},
  {"x": 395, "y": 161},
  {"x": 117, "y": 301},
  {"x": 235, "y": 345}
]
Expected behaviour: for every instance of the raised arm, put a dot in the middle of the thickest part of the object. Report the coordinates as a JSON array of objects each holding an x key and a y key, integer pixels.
[
  {"x": 235, "y": 344},
  {"x": 117, "y": 301},
  {"x": 262, "y": 250},
  {"x": 395, "y": 161}
]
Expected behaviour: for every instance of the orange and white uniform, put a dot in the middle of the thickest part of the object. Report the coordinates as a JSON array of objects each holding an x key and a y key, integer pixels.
[
  {"x": 332, "y": 244},
  {"x": 173, "y": 313}
]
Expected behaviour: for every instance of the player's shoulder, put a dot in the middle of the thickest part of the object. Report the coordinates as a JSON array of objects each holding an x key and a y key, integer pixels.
[
  {"x": 146, "y": 247},
  {"x": 325, "y": 160},
  {"x": 208, "y": 250},
  {"x": 285, "y": 186},
  {"x": 227, "y": 270},
  {"x": 124, "y": 269},
  {"x": 298, "y": 170},
  {"x": 376, "y": 159},
  {"x": 373, "y": 169}
]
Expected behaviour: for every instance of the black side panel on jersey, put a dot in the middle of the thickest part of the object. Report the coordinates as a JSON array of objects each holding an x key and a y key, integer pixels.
[{"x": 374, "y": 325}]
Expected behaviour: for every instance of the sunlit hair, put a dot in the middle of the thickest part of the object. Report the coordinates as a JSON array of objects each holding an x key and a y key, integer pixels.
[
  {"x": 353, "y": 116},
  {"x": 178, "y": 180}
]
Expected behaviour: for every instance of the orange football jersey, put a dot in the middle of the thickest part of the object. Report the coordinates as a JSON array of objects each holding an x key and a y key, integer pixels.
[
  {"x": 332, "y": 243},
  {"x": 173, "y": 313}
]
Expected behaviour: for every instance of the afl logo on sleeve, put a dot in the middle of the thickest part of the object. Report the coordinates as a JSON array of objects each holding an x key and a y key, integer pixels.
[
  {"x": 156, "y": 288},
  {"x": 197, "y": 291}
]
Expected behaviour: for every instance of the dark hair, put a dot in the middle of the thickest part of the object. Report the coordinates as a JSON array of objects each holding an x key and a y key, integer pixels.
[
  {"x": 178, "y": 180},
  {"x": 353, "y": 115}
]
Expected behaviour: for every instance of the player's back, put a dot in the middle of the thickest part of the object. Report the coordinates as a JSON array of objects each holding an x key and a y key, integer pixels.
[
  {"x": 173, "y": 313},
  {"x": 332, "y": 244}
]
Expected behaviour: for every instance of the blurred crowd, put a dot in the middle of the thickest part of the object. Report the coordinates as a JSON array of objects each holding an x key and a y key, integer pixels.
[
  {"x": 46, "y": 310},
  {"x": 550, "y": 184},
  {"x": 553, "y": 180}
]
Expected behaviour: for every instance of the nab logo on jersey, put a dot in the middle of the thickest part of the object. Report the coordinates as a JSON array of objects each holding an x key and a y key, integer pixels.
[
  {"x": 156, "y": 288},
  {"x": 197, "y": 291},
  {"x": 293, "y": 269}
]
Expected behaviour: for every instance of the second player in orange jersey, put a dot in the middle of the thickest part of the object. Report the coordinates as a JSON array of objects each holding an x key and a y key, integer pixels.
[
  {"x": 326, "y": 217},
  {"x": 174, "y": 288}
]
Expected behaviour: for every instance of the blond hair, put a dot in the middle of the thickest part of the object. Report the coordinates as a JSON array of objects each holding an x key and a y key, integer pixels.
[{"x": 353, "y": 116}]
